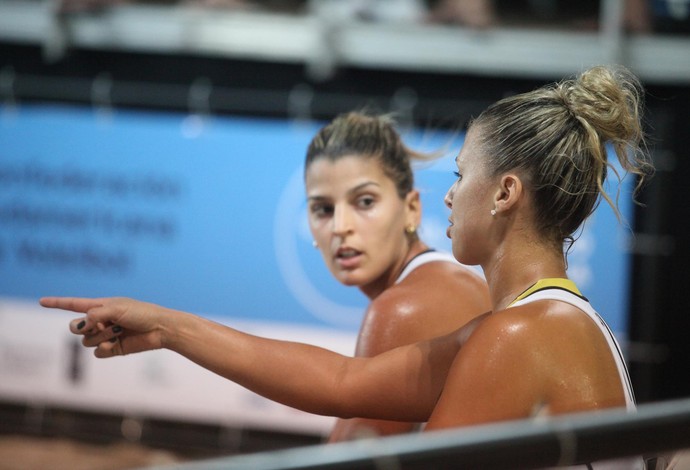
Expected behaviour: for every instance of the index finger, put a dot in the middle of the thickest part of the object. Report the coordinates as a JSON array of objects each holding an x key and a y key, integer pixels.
[{"x": 74, "y": 304}]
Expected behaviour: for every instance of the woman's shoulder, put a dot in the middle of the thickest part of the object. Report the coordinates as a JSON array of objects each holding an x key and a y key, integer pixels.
[
  {"x": 543, "y": 341},
  {"x": 550, "y": 323},
  {"x": 436, "y": 286},
  {"x": 430, "y": 302}
]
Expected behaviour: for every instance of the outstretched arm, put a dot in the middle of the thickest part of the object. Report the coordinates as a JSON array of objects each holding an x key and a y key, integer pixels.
[{"x": 401, "y": 384}]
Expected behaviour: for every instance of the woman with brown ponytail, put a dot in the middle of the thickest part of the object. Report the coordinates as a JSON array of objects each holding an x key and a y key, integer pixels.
[
  {"x": 530, "y": 172},
  {"x": 364, "y": 214}
]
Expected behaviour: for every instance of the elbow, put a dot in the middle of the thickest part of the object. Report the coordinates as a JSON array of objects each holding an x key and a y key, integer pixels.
[{"x": 348, "y": 400}]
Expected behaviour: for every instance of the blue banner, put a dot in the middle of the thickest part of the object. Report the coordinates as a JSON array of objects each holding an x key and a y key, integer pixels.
[{"x": 208, "y": 214}]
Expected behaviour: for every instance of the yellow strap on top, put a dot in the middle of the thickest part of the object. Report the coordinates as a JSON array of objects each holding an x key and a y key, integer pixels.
[{"x": 561, "y": 283}]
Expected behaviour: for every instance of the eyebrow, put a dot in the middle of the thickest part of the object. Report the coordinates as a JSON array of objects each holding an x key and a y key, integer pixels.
[{"x": 357, "y": 188}]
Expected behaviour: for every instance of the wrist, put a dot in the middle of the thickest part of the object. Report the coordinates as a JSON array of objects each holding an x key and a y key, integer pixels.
[{"x": 169, "y": 325}]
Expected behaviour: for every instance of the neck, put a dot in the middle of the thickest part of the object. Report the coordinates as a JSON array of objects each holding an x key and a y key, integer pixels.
[
  {"x": 388, "y": 278},
  {"x": 514, "y": 269}
]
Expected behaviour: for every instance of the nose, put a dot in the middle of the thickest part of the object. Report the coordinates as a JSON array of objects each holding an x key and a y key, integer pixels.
[
  {"x": 342, "y": 221},
  {"x": 448, "y": 199}
]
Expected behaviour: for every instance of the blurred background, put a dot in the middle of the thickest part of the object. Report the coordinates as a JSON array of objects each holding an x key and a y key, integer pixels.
[{"x": 154, "y": 149}]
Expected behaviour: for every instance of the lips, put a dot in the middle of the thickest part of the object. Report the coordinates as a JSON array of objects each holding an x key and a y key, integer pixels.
[{"x": 347, "y": 257}]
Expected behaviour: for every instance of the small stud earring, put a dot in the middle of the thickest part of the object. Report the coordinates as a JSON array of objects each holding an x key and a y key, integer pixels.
[
  {"x": 493, "y": 211},
  {"x": 314, "y": 244},
  {"x": 410, "y": 229}
]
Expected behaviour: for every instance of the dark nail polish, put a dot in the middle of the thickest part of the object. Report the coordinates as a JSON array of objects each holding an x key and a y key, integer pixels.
[
  {"x": 81, "y": 324},
  {"x": 117, "y": 329}
]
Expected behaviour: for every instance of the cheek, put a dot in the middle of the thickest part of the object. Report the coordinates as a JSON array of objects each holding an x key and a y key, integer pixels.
[
  {"x": 320, "y": 235},
  {"x": 468, "y": 202},
  {"x": 390, "y": 225},
  {"x": 375, "y": 233},
  {"x": 459, "y": 206},
  {"x": 383, "y": 237},
  {"x": 466, "y": 216},
  {"x": 314, "y": 228}
]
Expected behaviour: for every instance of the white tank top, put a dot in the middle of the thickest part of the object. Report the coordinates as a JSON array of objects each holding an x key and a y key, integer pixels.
[
  {"x": 423, "y": 258},
  {"x": 565, "y": 290}
]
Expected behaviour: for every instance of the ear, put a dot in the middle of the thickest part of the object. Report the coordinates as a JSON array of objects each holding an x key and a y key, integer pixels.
[
  {"x": 509, "y": 192},
  {"x": 413, "y": 209}
]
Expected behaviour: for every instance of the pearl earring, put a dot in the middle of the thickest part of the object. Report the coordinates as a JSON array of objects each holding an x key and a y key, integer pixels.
[
  {"x": 493, "y": 211},
  {"x": 314, "y": 244}
]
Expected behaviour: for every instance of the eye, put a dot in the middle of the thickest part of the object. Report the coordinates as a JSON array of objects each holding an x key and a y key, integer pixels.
[
  {"x": 365, "y": 202},
  {"x": 321, "y": 210},
  {"x": 458, "y": 176}
]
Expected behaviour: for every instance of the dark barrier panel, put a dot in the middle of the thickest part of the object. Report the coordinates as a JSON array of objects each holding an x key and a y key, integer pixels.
[{"x": 585, "y": 437}]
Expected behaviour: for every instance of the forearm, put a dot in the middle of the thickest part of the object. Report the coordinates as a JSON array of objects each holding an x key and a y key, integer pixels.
[
  {"x": 298, "y": 375},
  {"x": 402, "y": 384}
]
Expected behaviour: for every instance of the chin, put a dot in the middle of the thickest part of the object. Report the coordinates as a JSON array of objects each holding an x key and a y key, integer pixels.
[
  {"x": 349, "y": 283},
  {"x": 350, "y": 280},
  {"x": 458, "y": 255}
]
